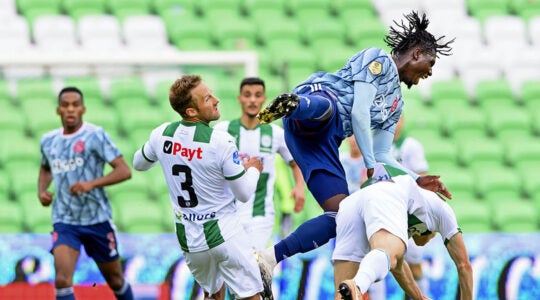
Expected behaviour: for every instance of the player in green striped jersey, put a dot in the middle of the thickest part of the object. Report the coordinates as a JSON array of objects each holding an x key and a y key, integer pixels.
[{"x": 204, "y": 175}]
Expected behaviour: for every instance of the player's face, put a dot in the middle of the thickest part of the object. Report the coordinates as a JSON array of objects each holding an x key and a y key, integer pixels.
[
  {"x": 251, "y": 99},
  {"x": 70, "y": 109},
  {"x": 419, "y": 67},
  {"x": 206, "y": 103}
]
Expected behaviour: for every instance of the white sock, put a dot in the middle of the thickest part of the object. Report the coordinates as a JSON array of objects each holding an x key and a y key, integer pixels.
[
  {"x": 377, "y": 290},
  {"x": 373, "y": 267}
]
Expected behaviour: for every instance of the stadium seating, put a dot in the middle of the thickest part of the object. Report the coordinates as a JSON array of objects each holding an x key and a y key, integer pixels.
[{"x": 477, "y": 114}]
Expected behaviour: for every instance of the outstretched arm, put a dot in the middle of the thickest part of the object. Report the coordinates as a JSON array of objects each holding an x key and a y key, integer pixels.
[
  {"x": 382, "y": 144},
  {"x": 364, "y": 93},
  {"x": 458, "y": 252},
  {"x": 403, "y": 275}
]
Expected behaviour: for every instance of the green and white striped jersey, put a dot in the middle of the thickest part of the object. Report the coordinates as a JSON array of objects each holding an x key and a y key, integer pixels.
[
  {"x": 197, "y": 161},
  {"x": 264, "y": 141}
]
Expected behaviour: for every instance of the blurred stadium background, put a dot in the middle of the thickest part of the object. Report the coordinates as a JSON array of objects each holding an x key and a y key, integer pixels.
[{"x": 478, "y": 116}]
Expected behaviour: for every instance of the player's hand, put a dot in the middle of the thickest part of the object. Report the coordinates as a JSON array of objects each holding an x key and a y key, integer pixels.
[
  {"x": 81, "y": 187},
  {"x": 45, "y": 198},
  {"x": 299, "y": 196},
  {"x": 432, "y": 183},
  {"x": 369, "y": 172},
  {"x": 253, "y": 162}
]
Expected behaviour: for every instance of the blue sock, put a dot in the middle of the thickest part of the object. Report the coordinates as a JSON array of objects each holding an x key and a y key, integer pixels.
[
  {"x": 125, "y": 292},
  {"x": 310, "y": 235},
  {"x": 311, "y": 107},
  {"x": 65, "y": 294}
]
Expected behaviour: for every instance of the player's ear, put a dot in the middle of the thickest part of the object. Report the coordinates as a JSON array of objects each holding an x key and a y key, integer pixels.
[
  {"x": 416, "y": 53},
  {"x": 191, "y": 112},
  {"x": 58, "y": 110}
]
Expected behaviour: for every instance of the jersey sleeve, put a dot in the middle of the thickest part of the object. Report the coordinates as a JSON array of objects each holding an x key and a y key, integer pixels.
[
  {"x": 283, "y": 150},
  {"x": 44, "y": 160},
  {"x": 150, "y": 147},
  {"x": 105, "y": 146},
  {"x": 231, "y": 165},
  {"x": 447, "y": 223}
]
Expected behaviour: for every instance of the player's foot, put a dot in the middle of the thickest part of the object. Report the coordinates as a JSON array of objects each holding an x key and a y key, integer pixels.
[
  {"x": 267, "y": 270},
  {"x": 349, "y": 291},
  {"x": 280, "y": 107}
]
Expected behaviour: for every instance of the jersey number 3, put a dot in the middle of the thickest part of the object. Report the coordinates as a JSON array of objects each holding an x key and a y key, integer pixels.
[{"x": 187, "y": 185}]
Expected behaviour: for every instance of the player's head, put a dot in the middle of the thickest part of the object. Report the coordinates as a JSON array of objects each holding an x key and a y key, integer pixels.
[
  {"x": 193, "y": 100},
  {"x": 251, "y": 96},
  {"x": 415, "y": 47},
  {"x": 70, "y": 108}
]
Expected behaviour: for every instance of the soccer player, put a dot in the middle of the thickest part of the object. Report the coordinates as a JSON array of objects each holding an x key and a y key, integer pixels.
[
  {"x": 73, "y": 156},
  {"x": 263, "y": 141},
  {"x": 374, "y": 224},
  {"x": 204, "y": 174},
  {"x": 364, "y": 99}
]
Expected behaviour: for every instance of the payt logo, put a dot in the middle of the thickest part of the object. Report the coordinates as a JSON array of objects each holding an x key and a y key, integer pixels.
[{"x": 175, "y": 148}]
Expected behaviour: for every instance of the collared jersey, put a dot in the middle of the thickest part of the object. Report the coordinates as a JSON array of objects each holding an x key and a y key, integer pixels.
[
  {"x": 373, "y": 66},
  {"x": 76, "y": 157},
  {"x": 197, "y": 162},
  {"x": 263, "y": 141}
]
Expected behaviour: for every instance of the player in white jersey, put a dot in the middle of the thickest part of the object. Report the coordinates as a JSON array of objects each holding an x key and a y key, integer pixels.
[
  {"x": 73, "y": 156},
  {"x": 204, "y": 174},
  {"x": 263, "y": 141},
  {"x": 374, "y": 224}
]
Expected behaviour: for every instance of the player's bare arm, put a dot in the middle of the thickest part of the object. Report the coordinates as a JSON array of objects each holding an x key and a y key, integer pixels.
[
  {"x": 120, "y": 172},
  {"x": 458, "y": 252},
  {"x": 44, "y": 180},
  {"x": 403, "y": 275},
  {"x": 298, "y": 191}
]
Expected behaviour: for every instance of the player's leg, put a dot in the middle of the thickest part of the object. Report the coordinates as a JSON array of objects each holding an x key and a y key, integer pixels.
[
  {"x": 313, "y": 105},
  {"x": 66, "y": 243},
  {"x": 204, "y": 268},
  {"x": 414, "y": 258},
  {"x": 386, "y": 229},
  {"x": 239, "y": 269},
  {"x": 216, "y": 296},
  {"x": 101, "y": 244},
  {"x": 351, "y": 242}
]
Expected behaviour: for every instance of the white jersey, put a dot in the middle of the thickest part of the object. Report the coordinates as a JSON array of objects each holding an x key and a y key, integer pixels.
[
  {"x": 264, "y": 141},
  {"x": 393, "y": 202},
  {"x": 197, "y": 161},
  {"x": 409, "y": 152}
]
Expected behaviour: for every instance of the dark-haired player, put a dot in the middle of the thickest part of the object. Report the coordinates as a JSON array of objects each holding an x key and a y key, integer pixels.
[
  {"x": 73, "y": 156},
  {"x": 363, "y": 98}
]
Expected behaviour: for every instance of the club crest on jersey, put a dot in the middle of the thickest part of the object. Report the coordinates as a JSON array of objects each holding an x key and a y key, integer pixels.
[
  {"x": 375, "y": 67},
  {"x": 175, "y": 148},
  {"x": 78, "y": 147}
]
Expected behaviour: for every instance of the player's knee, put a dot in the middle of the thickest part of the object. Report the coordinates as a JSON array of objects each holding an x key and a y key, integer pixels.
[
  {"x": 62, "y": 281},
  {"x": 115, "y": 281}
]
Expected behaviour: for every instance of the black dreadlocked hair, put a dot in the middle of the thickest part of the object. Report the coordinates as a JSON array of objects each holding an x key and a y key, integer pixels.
[{"x": 405, "y": 37}]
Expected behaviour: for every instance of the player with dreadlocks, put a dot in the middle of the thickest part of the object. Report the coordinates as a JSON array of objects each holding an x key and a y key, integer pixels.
[{"x": 363, "y": 98}]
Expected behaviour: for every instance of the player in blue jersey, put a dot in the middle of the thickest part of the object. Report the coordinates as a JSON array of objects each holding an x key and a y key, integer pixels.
[
  {"x": 73, "y": 156},
  {"x": 363, "y": 98}
]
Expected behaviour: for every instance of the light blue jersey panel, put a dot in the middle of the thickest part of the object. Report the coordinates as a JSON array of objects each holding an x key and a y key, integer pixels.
[
  {"x": 73, "y": 158},
  {"x": 386, "y": 105}
]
